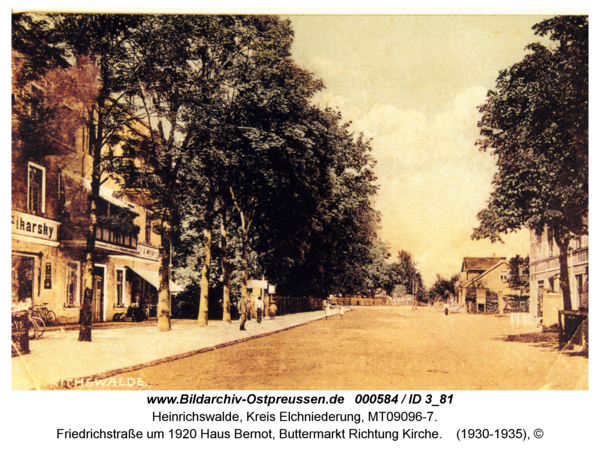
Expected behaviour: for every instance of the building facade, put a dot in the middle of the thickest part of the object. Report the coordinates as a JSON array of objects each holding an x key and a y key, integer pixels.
[
  {"x": 50, "y": 217},
  {"x": 546, "y": 294},
  {"x": 471, "y": 269},
  {"x": 491, "y": 289}
]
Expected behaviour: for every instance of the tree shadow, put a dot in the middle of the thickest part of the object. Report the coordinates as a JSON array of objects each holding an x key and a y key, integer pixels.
[
  {"x": 533, "y": 338},
  {"x": 540, "y": 340},
  {"x": 583, "y": 353},
  {"x": 548, "y": 340}
]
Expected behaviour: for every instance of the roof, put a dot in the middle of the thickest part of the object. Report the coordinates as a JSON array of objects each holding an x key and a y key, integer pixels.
[
  {"x": 491, "y": 269},
  {"x": 483, "y": 264}
]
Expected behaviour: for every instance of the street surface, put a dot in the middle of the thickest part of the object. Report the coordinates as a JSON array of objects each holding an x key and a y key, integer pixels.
[{"x": 381, "y": 348}]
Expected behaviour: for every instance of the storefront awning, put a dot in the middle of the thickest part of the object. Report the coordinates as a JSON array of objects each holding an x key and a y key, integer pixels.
[
  {"x": 152, "y": 277},
  {"x": 108, "y": 195},
  {"x": 105, "y": 192}
]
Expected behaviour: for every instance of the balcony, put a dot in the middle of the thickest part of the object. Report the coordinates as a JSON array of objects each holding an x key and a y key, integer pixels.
[
  {"x": 116, "y": 237},
  {"x": 115, "y": 224}
]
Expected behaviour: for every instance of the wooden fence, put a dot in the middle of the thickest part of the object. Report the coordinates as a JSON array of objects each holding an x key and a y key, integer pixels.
[
  {"x": 292, "y": 305},
  {"x": 359, "y": 301}
]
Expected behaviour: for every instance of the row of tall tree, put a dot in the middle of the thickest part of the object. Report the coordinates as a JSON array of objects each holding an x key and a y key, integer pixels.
[{"x": 208, "y": 122}]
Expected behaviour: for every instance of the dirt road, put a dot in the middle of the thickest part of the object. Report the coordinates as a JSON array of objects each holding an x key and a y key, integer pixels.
[{"x": 382, "y": 348}]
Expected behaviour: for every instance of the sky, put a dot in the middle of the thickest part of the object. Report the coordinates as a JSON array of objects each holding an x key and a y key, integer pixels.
[{"x": 412, "y": 83}]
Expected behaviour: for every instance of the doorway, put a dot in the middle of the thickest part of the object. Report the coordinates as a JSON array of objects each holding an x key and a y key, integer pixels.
[{"x": 98, "y": 295}]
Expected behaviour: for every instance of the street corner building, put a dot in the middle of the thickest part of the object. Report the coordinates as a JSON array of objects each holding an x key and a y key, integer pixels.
[
  {"x": 484, "y": 281},
  {"x": 546, "y": 294},
  {"x": 49, "y": 221}
]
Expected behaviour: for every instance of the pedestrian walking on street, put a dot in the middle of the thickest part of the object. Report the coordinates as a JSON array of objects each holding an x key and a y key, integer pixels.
[
  {"x": 249, "y": 308},
  {"x": 327, "y": 310},
  {"x": 260, "y": 306},
  {"x": 342, "y": 311},
  {"x": 243, "y": 308},
  {"x": 272, "y": 311}
]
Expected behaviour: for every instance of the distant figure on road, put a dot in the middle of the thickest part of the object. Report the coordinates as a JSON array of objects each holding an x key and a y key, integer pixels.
[
  {"x": 249, "y": 309},
  {"x": 243, "y": 308},
  {"x": 342, "y": 311},
  {"x": 272, "y": 311},
  {"x": 327, "y": 310},
  {"x": 260, "y": 306}
]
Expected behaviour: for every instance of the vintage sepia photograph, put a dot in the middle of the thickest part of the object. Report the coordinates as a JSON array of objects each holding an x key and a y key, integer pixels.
[{"x": 249, "y": 201}]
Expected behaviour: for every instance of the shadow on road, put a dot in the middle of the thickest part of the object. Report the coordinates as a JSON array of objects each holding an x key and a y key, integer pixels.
[
  {"x": 540, "y": 340},
  {"x": 547, "y": 340},
  {"x": 532, "y": 338},
  {"x": 583, "y": 353}
]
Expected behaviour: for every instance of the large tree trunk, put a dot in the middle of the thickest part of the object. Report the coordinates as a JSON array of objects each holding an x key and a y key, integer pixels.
[
  {"x": 164, "y": 275},
  {"x": 204, "y": 282},
  {"x": 85, "y": 314},
  {"x": 563, "y": 259},
  {"x": 225, "y": 268}
]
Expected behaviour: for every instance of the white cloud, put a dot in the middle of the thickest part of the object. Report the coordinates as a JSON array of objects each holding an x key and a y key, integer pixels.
[
  {"x": 327, "y": 69},
  {"x": 433, "y": 181}
]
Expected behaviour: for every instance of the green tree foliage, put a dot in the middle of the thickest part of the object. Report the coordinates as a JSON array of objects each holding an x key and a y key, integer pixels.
[
  {"x": 170, "y": 90},
  {"x": 322, "y": 235},
  {"x": 518, "y": 278},
  {"x": 406, "y": 273},
  {"x": 271, "y": 161},
  {"x": 219, "y": 90},
  {"x": 443, "y": 290},
  {"x": 536, "y": 124}
]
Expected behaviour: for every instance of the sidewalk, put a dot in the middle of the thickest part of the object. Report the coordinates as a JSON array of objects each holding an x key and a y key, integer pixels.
[{"x": 58, "y": 360}]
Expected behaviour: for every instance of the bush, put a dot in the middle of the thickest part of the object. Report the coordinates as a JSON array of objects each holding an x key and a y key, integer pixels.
[{"x": 516, "y": 303}]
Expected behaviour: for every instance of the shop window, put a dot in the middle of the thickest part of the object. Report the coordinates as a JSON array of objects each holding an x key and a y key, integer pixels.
[
  {"x": 22, "y": 279},
  {"x": 73, "y": 275},
  {"x": 120, "y": 288},
  {"x": 36, "y": 189}
]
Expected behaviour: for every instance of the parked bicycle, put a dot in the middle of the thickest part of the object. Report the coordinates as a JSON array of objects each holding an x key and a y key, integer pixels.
[
  {"x": 35, "y": 325},
  {"x": 44, "y": 313},
  {"x": 38, "y": 327}
]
